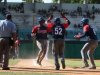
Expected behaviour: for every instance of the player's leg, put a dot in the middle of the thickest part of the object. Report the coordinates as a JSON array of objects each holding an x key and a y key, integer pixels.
[
  {"x": 56, "y": 53},
  {"x": 61, "y": 53},
  {"x": 16, "y": 53},
  {"x": 1, "y": 52},
  {"x": 39, "y": 44},
  {"x": 91, "y": 58},
  {"x": 93, "y": 46},
  {"x": 12, "y": 49},
  {"x": 44, "y": 49},
  {"x": 48, "y": 47},
  {"x": 13, "y": 52},
  {"x": 16, "y": 50},
  {"x": 84, "y": 54}
]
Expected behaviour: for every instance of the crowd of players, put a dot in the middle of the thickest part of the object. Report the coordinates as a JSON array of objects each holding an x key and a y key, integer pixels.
[{"x": 57, "y": 30}]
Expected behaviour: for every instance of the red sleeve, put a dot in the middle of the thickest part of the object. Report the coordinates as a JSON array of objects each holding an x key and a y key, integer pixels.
[
  {"x": 35, "y": 28},
  {"x": 86, "y": 28},
  {"x": 49, "y": 26},
  {"x": 64, "y": 17},
  {"x": 65, "y": 25}
]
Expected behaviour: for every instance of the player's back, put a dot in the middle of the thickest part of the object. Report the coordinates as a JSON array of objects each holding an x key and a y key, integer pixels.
[
  {"x": 91, "y": 33},
  {"x": 58, "y": 31},
  {"x": 41, "y": 32}
]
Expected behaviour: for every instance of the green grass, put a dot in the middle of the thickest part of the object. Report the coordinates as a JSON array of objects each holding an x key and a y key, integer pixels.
[
  {"x": 79, "y": 63},
  {"x": 76, "y": 62},
  {"x": 73, "y": 63},
  {"x": 25, "y": 73},
  {"x": 97, "y": 62},
  {"x": 70, "y": 62}
]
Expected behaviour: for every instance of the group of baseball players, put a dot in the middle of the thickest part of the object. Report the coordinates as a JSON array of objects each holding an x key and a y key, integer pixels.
[{"x": 57, "y": 30}]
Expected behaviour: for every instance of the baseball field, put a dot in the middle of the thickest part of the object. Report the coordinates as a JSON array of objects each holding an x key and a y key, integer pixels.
[{"x": 29, "y": 67}]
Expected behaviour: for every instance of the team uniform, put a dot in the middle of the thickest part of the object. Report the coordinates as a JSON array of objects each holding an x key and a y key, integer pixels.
[
  {"x": 58, "y": 47},
  {"x": 17, "y": 44},
  {"x": 90, "y": 46},
  {"x": 58, "y": 33},
  {"x": 49, "y": 42},
  {"x": 14, "y": 48},
  {"x": 41, "y": 41}
]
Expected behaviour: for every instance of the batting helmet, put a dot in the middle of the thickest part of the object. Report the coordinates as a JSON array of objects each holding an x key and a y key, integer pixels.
[
  {"x": 57, "y": 20},
  {"x": 85, "y": 21},
  {"x": 40, "y": 19}
]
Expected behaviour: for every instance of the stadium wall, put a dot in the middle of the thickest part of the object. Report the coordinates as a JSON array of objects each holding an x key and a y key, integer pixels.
[{"x": 72, "y": 50}]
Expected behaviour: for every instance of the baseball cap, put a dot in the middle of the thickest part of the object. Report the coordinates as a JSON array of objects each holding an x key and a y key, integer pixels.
[{"x": 8, "y": 16}]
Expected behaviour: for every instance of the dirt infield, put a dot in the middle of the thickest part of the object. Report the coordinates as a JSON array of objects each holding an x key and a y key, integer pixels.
[{"x": 29, "y": 65}]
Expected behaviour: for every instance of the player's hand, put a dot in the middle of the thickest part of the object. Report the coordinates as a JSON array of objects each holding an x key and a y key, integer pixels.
[
  {"x": 51, "y": 16},
  {"x": 33, "y": 35},
  {"x": 62, "y": 14},
  {"x": 77, "y": 37}
]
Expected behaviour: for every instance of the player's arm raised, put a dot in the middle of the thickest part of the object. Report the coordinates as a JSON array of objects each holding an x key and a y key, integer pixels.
[
  {"x": 50, "y": 18},
  {"x": 66, "y": 19},
  {"x": 49, "y": 24}
]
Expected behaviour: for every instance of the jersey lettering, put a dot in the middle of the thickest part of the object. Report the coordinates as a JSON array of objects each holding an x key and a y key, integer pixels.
[{"x": 58, "y": 31}]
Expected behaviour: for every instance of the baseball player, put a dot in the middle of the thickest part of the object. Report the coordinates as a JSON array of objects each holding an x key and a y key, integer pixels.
[
  {"x": 17, "y": 44},
  {"x": 14, "y": 47},
  {"x": 40, "y": 32},
  {"x": 91, "y": 44},
  {"x": 58, "y": 33}
]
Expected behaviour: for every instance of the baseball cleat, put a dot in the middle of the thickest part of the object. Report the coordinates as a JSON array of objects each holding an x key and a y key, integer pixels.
[
  {"x": 6, "y": 68},
  {"x": 63, "y": 64},
  {"x": 57, "y": 67},
  {"x": 92, "y": 67},
  {"x": 84, "y": 66},
  {"x": 39, "y": 63}
]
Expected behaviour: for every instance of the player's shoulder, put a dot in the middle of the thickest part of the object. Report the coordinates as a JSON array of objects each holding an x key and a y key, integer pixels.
[
  {"x": 86, "y": 26},
  {"x": 36, "y": 26}
]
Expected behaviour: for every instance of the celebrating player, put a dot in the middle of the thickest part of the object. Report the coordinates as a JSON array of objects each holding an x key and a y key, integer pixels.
[
  {"x": 40, "y": 32},
  {"x": 90, "y": 46},
  {"x": 58, "y": 32}
]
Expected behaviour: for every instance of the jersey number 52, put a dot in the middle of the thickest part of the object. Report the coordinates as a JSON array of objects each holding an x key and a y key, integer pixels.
[{"x": 58, "y": 31}]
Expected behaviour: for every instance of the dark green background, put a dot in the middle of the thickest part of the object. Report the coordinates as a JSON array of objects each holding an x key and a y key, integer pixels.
[{"x": 72, "y": 49}]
